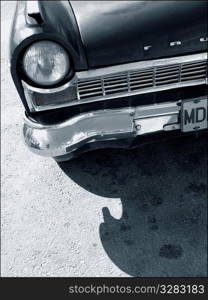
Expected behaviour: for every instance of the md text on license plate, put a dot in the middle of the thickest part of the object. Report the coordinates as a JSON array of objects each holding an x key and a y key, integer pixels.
[{"x": 194, "y": 115}]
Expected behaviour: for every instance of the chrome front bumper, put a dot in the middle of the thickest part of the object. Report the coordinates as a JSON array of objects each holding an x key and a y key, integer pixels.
[{"x": 97, "y": 126}]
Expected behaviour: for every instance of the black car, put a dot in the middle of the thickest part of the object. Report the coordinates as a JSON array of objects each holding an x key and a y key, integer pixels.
[{"x": 99, "y": 74}]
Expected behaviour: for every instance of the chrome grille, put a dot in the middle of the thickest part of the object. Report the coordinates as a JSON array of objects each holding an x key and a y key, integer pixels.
[{"x": 141, "y": 80}]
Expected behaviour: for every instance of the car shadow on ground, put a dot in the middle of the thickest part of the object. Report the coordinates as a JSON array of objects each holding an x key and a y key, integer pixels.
[{"x": 163, "y": 189}]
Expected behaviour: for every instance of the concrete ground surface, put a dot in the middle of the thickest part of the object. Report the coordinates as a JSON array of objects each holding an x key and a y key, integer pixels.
[{"x": 110, "y": 213}]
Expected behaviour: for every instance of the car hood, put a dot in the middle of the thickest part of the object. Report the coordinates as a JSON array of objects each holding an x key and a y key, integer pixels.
[{"x": 115, "y": 32}]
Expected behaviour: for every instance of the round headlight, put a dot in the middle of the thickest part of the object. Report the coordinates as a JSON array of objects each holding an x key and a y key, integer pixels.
[{"x": 46, "y": 63}]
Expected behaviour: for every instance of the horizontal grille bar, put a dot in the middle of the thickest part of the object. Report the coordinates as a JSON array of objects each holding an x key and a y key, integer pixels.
[{"x": 131, "y": 81}]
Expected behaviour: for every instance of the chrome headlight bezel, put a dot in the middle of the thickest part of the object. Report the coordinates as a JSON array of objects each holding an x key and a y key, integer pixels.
[{"x": 65, "y": 56}]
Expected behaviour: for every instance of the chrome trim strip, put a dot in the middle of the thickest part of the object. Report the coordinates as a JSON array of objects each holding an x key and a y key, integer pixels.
[
  {"x": 114, "y": 70},
  {"x": 121, "y": 95},
  {"x": 49, "y": 90},
  {"x": 90, "y": 74}
]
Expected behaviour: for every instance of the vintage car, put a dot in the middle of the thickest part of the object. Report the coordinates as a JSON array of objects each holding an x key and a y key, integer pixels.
[{"x": 103, "y": 74}]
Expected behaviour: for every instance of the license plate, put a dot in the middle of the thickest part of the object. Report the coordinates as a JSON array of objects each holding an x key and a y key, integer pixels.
[{"x": 194, "y": 115}]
